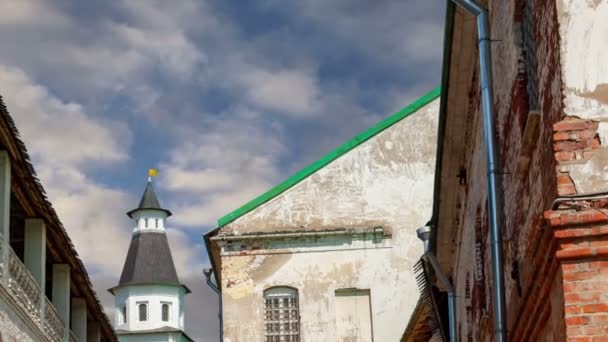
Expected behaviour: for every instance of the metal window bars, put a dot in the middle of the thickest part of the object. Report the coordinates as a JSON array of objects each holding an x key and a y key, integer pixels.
[
  {"x": 282, "y": 316},
  {"x": 143, "y": 312},
  {"x": 165, "y": 312}
]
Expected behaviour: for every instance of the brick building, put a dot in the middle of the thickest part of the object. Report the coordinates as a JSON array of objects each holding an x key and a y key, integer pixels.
[{"x": 550, "y": 71}]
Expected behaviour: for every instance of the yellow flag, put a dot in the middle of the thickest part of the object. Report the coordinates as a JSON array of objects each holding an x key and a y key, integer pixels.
[{"x": 152, "y": 172}]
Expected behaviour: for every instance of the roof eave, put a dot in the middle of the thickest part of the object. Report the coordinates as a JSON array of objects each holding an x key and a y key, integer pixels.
[
  {"x": 131, "y": 212},
  {"x": 113, "y": 289},
  {"x": 207, "y": 238},
  {"x": 445, "y": 78}
]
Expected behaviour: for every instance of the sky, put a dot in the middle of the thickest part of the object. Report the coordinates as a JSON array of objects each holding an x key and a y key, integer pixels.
[{"x": 225, "y": 98}]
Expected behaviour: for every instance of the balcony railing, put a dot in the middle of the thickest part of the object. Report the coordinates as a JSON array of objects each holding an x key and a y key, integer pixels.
[
  {"x": 22, "y": 286},
  {"x": 53, "y": 325}
]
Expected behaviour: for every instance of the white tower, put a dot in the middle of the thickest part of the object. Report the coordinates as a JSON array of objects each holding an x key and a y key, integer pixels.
[{"x": 149, "y": 299}]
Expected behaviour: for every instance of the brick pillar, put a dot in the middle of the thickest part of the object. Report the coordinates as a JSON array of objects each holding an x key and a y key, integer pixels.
[
  {"x": 575, "y": 141},
  {"x": 580, "y": 228},
  {"x": 582, "y": 253}
]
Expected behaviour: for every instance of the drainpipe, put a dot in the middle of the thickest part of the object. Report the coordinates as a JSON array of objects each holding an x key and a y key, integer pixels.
[
  {"x": 220, "y": 315},
  {"x": 495, "y": 202},
  {"x": 424, "y": 234}
]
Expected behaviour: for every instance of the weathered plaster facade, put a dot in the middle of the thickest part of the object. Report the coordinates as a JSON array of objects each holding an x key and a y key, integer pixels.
[{"x": 357, "y": 218}]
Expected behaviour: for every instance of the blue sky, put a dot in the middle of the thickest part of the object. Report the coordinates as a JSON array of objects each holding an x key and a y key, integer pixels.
[{"x": 226, "y": 98}]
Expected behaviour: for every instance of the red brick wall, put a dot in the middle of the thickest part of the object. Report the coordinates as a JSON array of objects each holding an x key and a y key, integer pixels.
[
  {"x": 533, "y": 275},
  {"x": 582, "y": 236}
]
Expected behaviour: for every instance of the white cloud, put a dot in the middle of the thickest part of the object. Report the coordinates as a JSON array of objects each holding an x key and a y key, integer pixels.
[
  {"x": 231, "y": 162},
  {"x": 83, "y": 57},
  {"x": 398, "y": 33},
  {"x": 95, "y": 220},
  {"x": 187, "y": 255},
  {"x": 63, "y": 140},
  {"x": 63, "y": 132},
  {"x": 27, "y": 11},
  {"x": 170, "y": 49},
  {"x": 293, "y": 92}
]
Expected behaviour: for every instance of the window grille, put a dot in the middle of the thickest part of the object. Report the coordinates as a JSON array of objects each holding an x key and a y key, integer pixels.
[
  {"x": 529, "y": 47},
  {"x": 143, "y": 312},
  {"x": 165, "y": 312},
  {"x": 281, "y": 315}
]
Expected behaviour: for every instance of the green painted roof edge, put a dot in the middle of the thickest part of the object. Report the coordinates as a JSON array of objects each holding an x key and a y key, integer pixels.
[{"x": 331, "y": 156}]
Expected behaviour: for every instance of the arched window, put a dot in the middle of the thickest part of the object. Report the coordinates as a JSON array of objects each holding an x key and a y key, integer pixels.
[
  {"x": 165, "y": 312},
  {"x": 142, "y": 309},
  {"x": 281, "y": 314}
]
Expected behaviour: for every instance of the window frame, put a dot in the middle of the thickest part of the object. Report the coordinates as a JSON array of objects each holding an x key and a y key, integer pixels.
[
  {"x": 146, "y": 312},
  {"x": 281, "y": 314},
  {"x": 168, "y": 306}
]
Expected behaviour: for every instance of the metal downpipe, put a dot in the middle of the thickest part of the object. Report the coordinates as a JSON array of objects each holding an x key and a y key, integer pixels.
[
  {"x": 495, "y": 203},
  {"x": 220, "y": 315}
]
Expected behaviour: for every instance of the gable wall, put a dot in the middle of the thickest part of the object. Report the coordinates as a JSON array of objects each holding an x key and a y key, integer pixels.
[
  {"x": 386, "y": 181},
  {"x": 364, "y": 187}
]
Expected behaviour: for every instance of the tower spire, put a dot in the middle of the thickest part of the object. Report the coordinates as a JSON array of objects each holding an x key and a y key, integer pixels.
[{"x": 149, "y": 296}]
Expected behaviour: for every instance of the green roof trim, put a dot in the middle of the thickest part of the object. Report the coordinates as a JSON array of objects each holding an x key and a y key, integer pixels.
[{"x": 333, "y": 155}]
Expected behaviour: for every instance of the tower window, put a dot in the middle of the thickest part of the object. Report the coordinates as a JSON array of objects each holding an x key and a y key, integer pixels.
[
  {"x": 147, "y": 223},
  {"x": 123, "y": 314},
  {"x": 281, "y": 314},
  {"x": 157, "y": 223},
  {"x": 143, "y": 312},
  {"x": 165, "y": 312}
]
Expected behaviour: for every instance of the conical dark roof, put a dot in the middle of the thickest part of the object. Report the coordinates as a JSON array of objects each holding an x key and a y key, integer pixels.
[
  {"x": 148, "y": 201},
  {"x": 149, "y": 261}
]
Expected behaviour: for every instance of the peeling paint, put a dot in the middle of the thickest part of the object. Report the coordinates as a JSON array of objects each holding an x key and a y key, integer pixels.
[
  {"x": 591, "y": 176},
  {"x": 584, "y": 52}
]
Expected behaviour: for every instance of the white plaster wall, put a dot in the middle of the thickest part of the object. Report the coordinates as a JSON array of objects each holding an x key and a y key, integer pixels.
[
  {"x": 584, "y": 56},
  {"x": 154, "y": 295},
  {"x": 387, "y": 181},
  {"x": 584, "y": 52},
  {"x": 386, "y": 272}
]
